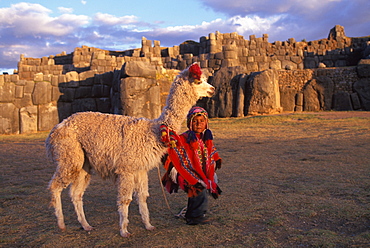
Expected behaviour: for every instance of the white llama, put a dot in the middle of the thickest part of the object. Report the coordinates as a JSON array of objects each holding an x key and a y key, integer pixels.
[{"x": 120, "y": 147}]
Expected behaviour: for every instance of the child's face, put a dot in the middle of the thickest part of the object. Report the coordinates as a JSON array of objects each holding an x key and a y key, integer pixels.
[{"x": 198, "y": 124}]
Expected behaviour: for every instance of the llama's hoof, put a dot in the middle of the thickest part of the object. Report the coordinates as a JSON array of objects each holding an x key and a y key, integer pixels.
[
  {"x": 62, "y": 227},
  {"x": 150, "y": 228},
  {"x": 125, "y": 234},
  {"x": 88, "y": 228}
]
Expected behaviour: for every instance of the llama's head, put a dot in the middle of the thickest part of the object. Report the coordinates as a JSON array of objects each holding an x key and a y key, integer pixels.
[{"x": 198, "y": 81}]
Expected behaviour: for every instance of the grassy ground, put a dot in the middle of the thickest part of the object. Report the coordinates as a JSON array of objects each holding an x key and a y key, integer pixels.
[{"x": 295, "y": 180}]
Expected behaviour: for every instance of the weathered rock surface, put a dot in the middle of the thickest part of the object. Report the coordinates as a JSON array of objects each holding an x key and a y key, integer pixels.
[
  {"x": 362, "y": 88},
  {"x": 138, "y": 69},
  {"x": 263, "y": 96},
  {"x": 363, "y": 68},
  {"x": 317, "y": 94},
  {"x": 227, "y": 86},
  {"x": 140, "y": 97}
]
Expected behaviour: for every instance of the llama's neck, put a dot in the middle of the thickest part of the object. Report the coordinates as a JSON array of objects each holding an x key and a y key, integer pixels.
[{"x": 179, "y": 102}]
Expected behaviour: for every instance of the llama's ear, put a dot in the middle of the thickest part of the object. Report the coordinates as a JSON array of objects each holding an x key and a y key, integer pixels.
[{"x": 194, "y": 71}]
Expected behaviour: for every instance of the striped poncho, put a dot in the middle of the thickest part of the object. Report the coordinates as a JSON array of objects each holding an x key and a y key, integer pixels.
[{"x": 194, "y": 157}]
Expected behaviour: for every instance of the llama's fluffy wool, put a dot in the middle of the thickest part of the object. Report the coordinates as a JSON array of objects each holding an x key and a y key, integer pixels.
[
  {"x": 120, "y": 147},
  {"x": 113, "y": 144}
]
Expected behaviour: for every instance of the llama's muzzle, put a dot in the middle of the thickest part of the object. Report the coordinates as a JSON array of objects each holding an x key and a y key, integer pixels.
[{"x": 211, "y": 91}]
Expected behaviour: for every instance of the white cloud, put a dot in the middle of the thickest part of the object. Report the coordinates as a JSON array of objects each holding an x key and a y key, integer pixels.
[
  {"x": 243, "y": 25},
  {"x": 254, "y": 24},
  {"x": 297, "y": 18},
  {"x": 29, "y": 29},
  {"x": 107, "y": 19},
  {"x": 84, "y": 2},
  {"x": 26, "y": 19},
  {"x": 65, "y": 10}
]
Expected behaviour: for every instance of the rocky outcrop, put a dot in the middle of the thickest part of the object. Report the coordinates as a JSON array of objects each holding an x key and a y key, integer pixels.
[
  {"x": 363, "y": 68},
  {"x": 226, "y": 82},
  {"x": 362, "y": 88},
  {"x": 263, "y": 95},
  {"x": 318, "y": 94}
]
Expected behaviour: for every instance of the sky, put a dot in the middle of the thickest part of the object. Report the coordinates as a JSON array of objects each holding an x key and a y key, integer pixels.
[{"x": 48, "y": 27}]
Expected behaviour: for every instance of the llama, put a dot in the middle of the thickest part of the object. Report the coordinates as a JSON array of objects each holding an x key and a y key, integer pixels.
[{"x": 120, "y": 147}]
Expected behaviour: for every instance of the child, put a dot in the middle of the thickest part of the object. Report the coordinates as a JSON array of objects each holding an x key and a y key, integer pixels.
[{"x": 191, "y": 165}]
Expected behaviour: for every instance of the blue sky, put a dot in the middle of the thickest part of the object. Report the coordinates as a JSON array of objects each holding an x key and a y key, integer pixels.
[{"x": 48, "y": 27}]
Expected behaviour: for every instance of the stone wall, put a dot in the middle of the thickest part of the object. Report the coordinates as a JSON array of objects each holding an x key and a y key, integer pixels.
[
  {"x": 240, "y": 93},
  {"x": 214, "y": 52},
  {"x": 310, "y": 76},
  {"x": 37, "y": 105}
]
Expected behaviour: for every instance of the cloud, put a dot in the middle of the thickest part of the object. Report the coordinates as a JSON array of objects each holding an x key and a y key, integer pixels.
[
  {"x": 245, "y": 26},
  {"x": 84, "y": 2},
  {"x": 26, "y": 19},
  {"x": 29, "y": 29},
  {"x": 107, "y": 19},
  {"x": 35, "y": 31},
  {"x": 65, "y": 10},
  {"x": 296, "y": 18}
]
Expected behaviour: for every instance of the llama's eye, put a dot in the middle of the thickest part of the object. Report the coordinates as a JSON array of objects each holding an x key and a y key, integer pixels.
[{"x": 196, "y": 81}]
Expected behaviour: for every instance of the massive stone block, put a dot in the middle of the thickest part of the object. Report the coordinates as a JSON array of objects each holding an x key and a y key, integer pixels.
[
  {"x": 318, "y": 94},
  {"x": 28, "y": 119},
  {"x": 41, "y": 93},
  {"x": 263, "y": 93},
  {"x": 47, "y": 116},
  {"x": 221, "y": 104},
  {"x": 103, "y": 105},
  {"x": 84, "y": 104},
  {"x": 363, "y": 68},
  {"x": 310, "y": 98},
  {"x": 288, "y": 98},
  {"x": 362, "y": 88},
  {"x": 9, "y": 119},
  {"x": 240, "y": 96},
  {"x": 355, "y": 100},
  {"x": 342, "y": 101},
  {"x": 7, "y": 92},
  {"x": 28, "y": 87},
  {"x": 325, "y": 88},
  {"x": 138, "y": 69},
  {"x": 72, "y": 76},
  {"x": 64, "y": 110},
  {"x": 140, "y": 97},
  {"x": 87, "y": 77},
  {"x": 67, "y": 94},
  {"x": 100, "y": 90},
  {"x": 83, "y": 92}
]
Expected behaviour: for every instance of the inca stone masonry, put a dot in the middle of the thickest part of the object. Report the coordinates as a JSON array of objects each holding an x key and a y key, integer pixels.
[{"x": 251, "y": 76}]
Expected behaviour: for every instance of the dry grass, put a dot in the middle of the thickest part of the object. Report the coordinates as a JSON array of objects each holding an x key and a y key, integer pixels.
[{"x": 287, "y": 180}]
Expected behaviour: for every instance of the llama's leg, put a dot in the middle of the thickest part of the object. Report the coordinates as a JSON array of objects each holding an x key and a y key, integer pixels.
[
  {"x": 56, "y": 202},
  {"x": 77, "y": 191},
  {"x": 125, "y": 189},
  {"x": 142, "y": 195},
  {"x": 69, "y": 164}
]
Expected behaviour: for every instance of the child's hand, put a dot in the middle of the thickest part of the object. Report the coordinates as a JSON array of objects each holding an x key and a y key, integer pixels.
[
  {"x": 218, "y": 164},
  {"x": 201, "y": 185}
]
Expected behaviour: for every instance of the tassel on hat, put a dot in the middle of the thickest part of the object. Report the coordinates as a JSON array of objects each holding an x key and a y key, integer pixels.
[{"x": 207, "y": 135}]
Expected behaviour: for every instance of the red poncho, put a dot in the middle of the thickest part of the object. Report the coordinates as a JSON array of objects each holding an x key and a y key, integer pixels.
[{"x": 193, "y": 158}]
